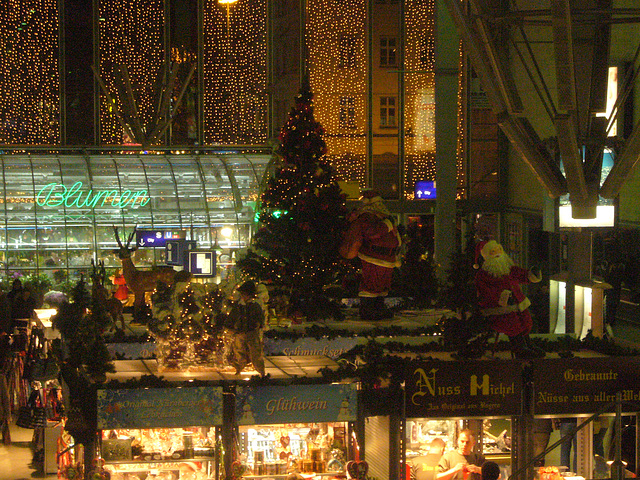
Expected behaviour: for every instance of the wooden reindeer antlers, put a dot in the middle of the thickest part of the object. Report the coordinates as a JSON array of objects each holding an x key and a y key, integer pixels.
[{"x": 124, "y": 251}]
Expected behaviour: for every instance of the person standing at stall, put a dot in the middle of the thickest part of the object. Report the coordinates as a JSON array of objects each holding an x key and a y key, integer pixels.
[
  {"x": 462, "y": 463},
  {"x": 246, "y": 320},
  {"x": 424, "y": 467},
  {"x": 23, "y": 305},
  {"x": 490, "y": 471}
]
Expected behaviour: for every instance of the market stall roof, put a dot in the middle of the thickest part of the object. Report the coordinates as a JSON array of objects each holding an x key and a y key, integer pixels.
[{"x": 278, "y": 367}]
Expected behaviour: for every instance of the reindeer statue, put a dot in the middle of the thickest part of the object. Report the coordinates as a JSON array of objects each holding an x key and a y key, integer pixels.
[
  {"x": 141, "y": 281},
  {"x": 98, "y": 291}
]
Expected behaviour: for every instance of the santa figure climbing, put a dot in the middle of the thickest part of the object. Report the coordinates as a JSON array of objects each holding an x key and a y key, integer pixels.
[
  {"x": 501, "y": 299},
  {"x": 373, "y": 237}
]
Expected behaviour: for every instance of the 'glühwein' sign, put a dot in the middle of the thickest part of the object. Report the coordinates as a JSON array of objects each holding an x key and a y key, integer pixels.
[
  {"x": 296, "y": 404},
  {"x": 584, "y": 385},
  {"x": 482, "y": 388}
]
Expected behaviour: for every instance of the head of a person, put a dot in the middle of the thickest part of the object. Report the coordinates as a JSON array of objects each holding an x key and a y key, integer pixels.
[
  {"x": 437, "y": 446},
  {"x": 17, "y": 284},
  {"x": 248, "y": 289},
  {"x": 466, "y": 441},
  {"x": 490, "y": 471}
]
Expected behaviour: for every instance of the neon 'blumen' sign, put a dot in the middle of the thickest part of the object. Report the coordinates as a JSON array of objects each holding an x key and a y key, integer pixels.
[{"x": 56, "y": 195}]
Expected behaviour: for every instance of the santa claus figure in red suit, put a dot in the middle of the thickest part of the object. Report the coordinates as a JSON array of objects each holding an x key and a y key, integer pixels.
[
  {"x": 373, "y": 237},
  {"x": 501, "y": 299}
]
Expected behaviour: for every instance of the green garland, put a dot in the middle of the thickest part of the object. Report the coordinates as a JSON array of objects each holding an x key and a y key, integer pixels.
[{"x": 375, "y": 363}]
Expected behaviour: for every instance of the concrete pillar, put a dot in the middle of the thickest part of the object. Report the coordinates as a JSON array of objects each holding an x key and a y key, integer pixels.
[{"x": 446, "y": 133}]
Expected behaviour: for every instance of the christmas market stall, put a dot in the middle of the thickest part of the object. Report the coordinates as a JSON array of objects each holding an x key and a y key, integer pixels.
[
  {"x": 163, "y": 433},
  {"x": 299, "y": 429},
  {"x": 592, "y": 404},
  {"x": 442, "y": 398}
]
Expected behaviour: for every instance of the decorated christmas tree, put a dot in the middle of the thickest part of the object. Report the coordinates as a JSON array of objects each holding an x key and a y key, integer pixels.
[
  {"x": 302, "y": 217},
  {"x": 186, "y": 322}
]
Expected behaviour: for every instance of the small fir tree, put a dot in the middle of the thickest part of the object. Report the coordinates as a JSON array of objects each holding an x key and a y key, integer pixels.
[
  {"x": 302, "y": 215},
  {"x": 416, "y": 277},
  {"x": 459, "y": 295},
  {"x": 82, "y": 324}
]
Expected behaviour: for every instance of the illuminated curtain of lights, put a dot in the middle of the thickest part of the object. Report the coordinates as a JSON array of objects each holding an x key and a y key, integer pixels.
[
  {"x": 29, "y": 87},
  {"x": 333, "y": 25},
  {"x": 130, "y": 34},
  {"x": 235, "y": 72},
  {"x": 460, "y": 152},
  {"x": 420, "y": 163}
]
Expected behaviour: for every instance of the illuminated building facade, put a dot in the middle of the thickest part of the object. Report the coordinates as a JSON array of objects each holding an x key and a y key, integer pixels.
[{"x": 161, "y": 77}]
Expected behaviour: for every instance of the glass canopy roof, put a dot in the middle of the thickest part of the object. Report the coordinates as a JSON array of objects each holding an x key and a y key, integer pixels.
[{"x": 58, "y": 211}]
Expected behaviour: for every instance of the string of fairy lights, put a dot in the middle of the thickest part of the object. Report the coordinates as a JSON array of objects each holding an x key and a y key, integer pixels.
[
  {"x": 235, "y": 97},
  {"x": 331, "y": 25},
  {"x": 235, "y": 72},
  {"x": 131, "y": 34},
  {"x": 460, "y": 163},
  {"x": 29, "y": 90},
  {"x": 420, "y": 162}
]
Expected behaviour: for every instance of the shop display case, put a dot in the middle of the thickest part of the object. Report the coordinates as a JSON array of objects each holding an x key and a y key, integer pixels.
[
  {"x": 160, "y": 454},
  {"x": 496, "y": 437},
  {"x": 277, "y": 450},
  {"x": 302, "y": 429},
  {"x": 160, "y": 433},
  {"x": 421, "y": 432}
]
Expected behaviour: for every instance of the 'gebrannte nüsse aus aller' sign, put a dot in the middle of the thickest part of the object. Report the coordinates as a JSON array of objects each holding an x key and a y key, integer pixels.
[
  {"x": 585, "y": 385},
  {"x": 480, "y": 389}
]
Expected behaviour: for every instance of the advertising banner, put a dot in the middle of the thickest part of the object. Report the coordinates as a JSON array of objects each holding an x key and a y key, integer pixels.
[
  {"x": 296, "y": 404},
  {"x": 476, "y": 389},
  {"x": 159, "y": 407},
  {"x": 585, "y": 385}
]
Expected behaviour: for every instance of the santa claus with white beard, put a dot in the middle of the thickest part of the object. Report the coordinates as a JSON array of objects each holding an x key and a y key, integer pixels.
[{"x": 501, "y": 299}]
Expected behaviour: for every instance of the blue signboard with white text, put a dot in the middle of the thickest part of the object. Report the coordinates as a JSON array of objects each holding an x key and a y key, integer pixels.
[
  {"x": 177, "y": 252},
  {"x": 159, "y": 407},
  {"x": 296, "y": 404},
  {"x": 202, "y": 263},
  {"x": 425, "y": 190},
  {"x": 157, "y": 238}
]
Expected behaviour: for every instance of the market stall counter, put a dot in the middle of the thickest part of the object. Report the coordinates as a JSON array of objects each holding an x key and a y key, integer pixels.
[
  {"x": 160, "y": 433},
  {"x": 298, "y": 429}
]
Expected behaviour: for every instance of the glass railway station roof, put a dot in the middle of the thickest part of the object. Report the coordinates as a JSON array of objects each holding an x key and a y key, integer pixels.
[{"x": 59, "y": 210}]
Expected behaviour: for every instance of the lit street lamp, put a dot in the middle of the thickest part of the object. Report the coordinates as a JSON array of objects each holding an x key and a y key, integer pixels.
[{"x": 227, "y": 4}]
